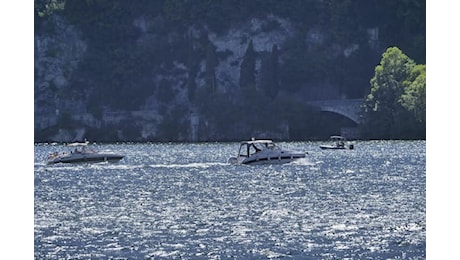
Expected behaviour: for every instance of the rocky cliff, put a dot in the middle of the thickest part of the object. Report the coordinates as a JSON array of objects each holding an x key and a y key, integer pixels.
[{"x": 144, "y": 80}]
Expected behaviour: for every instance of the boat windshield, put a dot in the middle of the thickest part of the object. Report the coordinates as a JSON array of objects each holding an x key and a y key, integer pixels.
[
  {"x": 272, "y": 146},
  {"x": 248, "y": 149},
  {"x": 79, "y": 149}
]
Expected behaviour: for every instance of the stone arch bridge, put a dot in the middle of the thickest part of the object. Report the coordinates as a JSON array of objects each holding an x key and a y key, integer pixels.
[{"x": 349, "y": 108}]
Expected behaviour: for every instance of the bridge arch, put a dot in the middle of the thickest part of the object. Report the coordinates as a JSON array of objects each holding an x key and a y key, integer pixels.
[
  {"x": 353, "y": 117},
  {"x": 349, "y": 108}
]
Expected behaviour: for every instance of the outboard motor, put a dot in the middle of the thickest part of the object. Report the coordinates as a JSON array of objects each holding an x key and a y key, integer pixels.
[
  {"x": 351, "y": 146},
  {"x": 232, "y": 160}
]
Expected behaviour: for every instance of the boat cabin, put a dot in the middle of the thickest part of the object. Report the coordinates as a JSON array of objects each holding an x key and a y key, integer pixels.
[
  {"x": 79, "y": 147},
  {"x": 338, "y": 140},
  {"x": 248, "y": 148}
]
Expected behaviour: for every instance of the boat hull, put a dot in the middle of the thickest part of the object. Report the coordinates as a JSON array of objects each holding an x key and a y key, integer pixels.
[
  {"x": 331, "y": 147},
  {"x": 272, "y": 160},
  {"x": 86, "y": 158}
]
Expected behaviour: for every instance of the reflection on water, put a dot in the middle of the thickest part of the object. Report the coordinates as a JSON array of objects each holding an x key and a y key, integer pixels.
[{"x": 185, "y": 201}]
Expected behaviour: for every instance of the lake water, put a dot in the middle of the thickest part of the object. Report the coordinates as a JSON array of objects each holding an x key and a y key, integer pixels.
[{"x": 185, "y": 201}]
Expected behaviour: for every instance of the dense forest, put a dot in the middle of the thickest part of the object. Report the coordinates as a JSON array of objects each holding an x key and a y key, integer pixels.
[{"x": 244, "y": 68}]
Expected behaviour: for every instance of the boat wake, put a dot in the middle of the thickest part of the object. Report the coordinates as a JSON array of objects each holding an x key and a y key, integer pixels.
[
  {"x": 188, "y": 165},
  {"x": 303, "y": 161}
]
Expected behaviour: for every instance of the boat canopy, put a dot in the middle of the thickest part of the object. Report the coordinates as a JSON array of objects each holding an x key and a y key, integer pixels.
[
  {"x": 248, "y": 148},
  {"x": 262, "y": 141},
  {"x": 78, "y": 144}
]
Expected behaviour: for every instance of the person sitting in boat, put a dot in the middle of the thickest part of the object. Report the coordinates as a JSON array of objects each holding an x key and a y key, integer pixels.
[
  {"x": 256, "y": 148},
  {"x": 270, "y": 146}
]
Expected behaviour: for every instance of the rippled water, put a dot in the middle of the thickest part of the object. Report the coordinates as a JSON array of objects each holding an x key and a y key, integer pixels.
[{"x": 186, "y": 201}]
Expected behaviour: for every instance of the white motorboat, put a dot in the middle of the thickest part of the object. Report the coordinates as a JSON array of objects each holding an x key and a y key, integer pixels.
[
  {"x": 337, "y": 143},
  {"x": 264, "y": 152},
  {"x": 81, "y": 153}
]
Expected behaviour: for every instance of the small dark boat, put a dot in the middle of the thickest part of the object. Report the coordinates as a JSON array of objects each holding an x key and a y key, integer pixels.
[{"x": 337, "y": 143}]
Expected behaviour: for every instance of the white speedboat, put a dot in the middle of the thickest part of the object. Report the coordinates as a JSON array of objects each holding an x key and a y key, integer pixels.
[
  {"x": 337, "y": 143},
  {"x": 81, "y": 153},
  {"x": 264, "y": 152}
]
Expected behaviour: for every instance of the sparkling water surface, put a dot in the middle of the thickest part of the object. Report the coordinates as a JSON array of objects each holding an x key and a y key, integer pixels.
[{"x": 170, "y": 201}]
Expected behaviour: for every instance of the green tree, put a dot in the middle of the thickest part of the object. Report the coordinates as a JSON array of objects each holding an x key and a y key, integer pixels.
[
  {"x": 248, "y": 69},
  {"x": 414, "y": 97},
  {"x": 44, "y": 8},
  {"x": 211, "y": 63},
  {"x": 193, "y": 66},
  {"x": 396, "y": 98},
  {"x": 269, "y": 73}
]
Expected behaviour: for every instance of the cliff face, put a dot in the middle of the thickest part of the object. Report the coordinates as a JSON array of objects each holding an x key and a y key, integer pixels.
[
  {"x": 62, "y": 114},
  {"x": 148, "y": 83},
  {"x": 59, "y": 48}
]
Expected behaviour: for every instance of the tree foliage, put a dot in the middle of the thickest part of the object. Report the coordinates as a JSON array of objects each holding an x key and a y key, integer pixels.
[
  {"x": 44, "y": 8},
  {"x": 414, "y": 97},
  {"x": 269, "y": 75},
  {"x": 211, "y": 63},
  {"x": 248, "y": 69},
  {"x": 395, "y": 107}
]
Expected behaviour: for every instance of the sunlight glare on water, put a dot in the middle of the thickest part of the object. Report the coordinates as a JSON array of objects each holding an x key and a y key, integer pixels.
[{"x": 185, "y": 201}]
